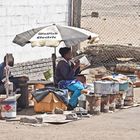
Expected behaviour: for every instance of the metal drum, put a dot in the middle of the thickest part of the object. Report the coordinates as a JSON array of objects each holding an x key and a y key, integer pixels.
[
  {"x": 94, "y": 104},
  {"x": 112, "y": 102},
  {"x": 105, "y": 103},
  {"x": 120, "y": 99},
  {"x": 129, "y": 99},
  {"x": 103, "y": 87},
  {"x": 123, "y": 86},
  {"x": 106, "y": 87}
]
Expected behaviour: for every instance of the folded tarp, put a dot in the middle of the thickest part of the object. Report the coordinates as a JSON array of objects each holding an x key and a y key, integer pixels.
[{"x": 61, "y": 94}]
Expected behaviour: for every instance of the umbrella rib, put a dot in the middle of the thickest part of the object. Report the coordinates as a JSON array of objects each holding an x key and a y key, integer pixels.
[{"x": 59, "y": 33}]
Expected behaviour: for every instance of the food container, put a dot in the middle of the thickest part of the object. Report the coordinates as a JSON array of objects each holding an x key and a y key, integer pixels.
[
  {"x": 123, "y": 86},
  {"x": 115, "y": 87},
  {"x": 103, "y": 87},
  {"x": 106, "y": 87},
  {"x": 132, "y": 77}
]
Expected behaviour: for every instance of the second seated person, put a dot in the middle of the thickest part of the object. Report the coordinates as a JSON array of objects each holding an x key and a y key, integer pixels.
[{"x": 65, "y": 77}]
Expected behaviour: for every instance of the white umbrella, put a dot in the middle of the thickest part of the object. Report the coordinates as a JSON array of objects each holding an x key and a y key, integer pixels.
[{"x": 53, "y": 35}]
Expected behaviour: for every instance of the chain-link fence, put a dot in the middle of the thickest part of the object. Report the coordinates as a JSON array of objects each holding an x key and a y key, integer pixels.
[
  {"x": 116, "y": 21},
  {"x": 110, "y": 55}
]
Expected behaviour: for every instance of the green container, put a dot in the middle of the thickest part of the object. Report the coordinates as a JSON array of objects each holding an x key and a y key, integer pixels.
[
  {"x": 123, "y": 86},
  {"x": 47, "y": 74}
]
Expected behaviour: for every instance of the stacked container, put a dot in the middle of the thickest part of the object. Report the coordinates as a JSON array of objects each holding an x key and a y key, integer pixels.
[{"x": 107, "y": 90}]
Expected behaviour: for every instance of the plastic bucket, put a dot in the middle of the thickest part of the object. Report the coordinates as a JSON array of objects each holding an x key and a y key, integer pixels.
[{"x": 8, "y": 109}]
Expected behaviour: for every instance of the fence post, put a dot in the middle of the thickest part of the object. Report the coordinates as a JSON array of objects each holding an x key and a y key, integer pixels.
[
  {"x": 76, "y": 19},
  {"x": 77, "y": 13}
]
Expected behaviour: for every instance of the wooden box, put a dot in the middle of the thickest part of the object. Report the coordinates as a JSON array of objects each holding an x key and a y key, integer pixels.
[{"x": 48, "y": 104}]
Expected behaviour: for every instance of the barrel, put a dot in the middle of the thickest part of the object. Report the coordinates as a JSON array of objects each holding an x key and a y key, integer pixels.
[
  {"x": 94, "y": 104},
  {"x": 120, "y": 99},
  {"x": 105, "y": 103},
  {"x": 129, "y": 99},
  {"x": 112, "y": 102}
]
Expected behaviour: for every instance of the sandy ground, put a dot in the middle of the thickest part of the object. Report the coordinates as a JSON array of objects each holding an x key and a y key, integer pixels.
[
  {"x": 123, "y": 124},
  {"x": 118, "y": 21}
]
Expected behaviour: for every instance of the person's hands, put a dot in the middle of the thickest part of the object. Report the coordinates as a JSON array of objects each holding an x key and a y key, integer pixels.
[
  {"x": 76, "y": 64},
  {"x": 6, "y": 70},
  {"x": 81, "y": 78},
  {"x": 8, "y": 85}
]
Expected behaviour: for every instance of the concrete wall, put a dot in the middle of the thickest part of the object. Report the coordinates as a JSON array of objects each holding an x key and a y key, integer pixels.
[{"x": 17, "y": 16}]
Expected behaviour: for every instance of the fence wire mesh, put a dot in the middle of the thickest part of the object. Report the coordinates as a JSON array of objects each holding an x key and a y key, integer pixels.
[
  {"x": 116, "y": 22},
  {"x": 108, "y": 55}
]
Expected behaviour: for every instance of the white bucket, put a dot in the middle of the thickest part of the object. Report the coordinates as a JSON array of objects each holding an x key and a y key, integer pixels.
[{"x": 8, "y": 108}]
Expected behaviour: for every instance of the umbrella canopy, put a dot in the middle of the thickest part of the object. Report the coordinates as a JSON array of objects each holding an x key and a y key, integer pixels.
[{"x": 52, "y": 35}]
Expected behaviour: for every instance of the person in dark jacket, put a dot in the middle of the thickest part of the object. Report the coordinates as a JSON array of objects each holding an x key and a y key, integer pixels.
[
  {"x": 18, "y": 82},
  {"x": 66, "y": 73},
  {"x": 10, "y": 62}
]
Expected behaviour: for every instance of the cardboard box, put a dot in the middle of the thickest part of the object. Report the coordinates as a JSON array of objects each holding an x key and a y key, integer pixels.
[{"x": 48, "y": 104}]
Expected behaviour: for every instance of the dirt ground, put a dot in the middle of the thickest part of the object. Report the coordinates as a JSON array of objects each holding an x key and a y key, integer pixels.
[
  {"x": 120, "y": 28},
  {"x": 118, "y": 21},
  {"x": 123, "y": 124}
]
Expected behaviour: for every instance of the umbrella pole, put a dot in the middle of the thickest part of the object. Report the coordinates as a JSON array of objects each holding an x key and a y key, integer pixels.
[{"x": 54, "y": 66}]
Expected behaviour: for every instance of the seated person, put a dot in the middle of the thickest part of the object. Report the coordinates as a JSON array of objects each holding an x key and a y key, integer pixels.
[
  {"x": 9, "y": 59},
  {"x": 3, "y": 67},
  {"x": 66, "y": 73}
]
